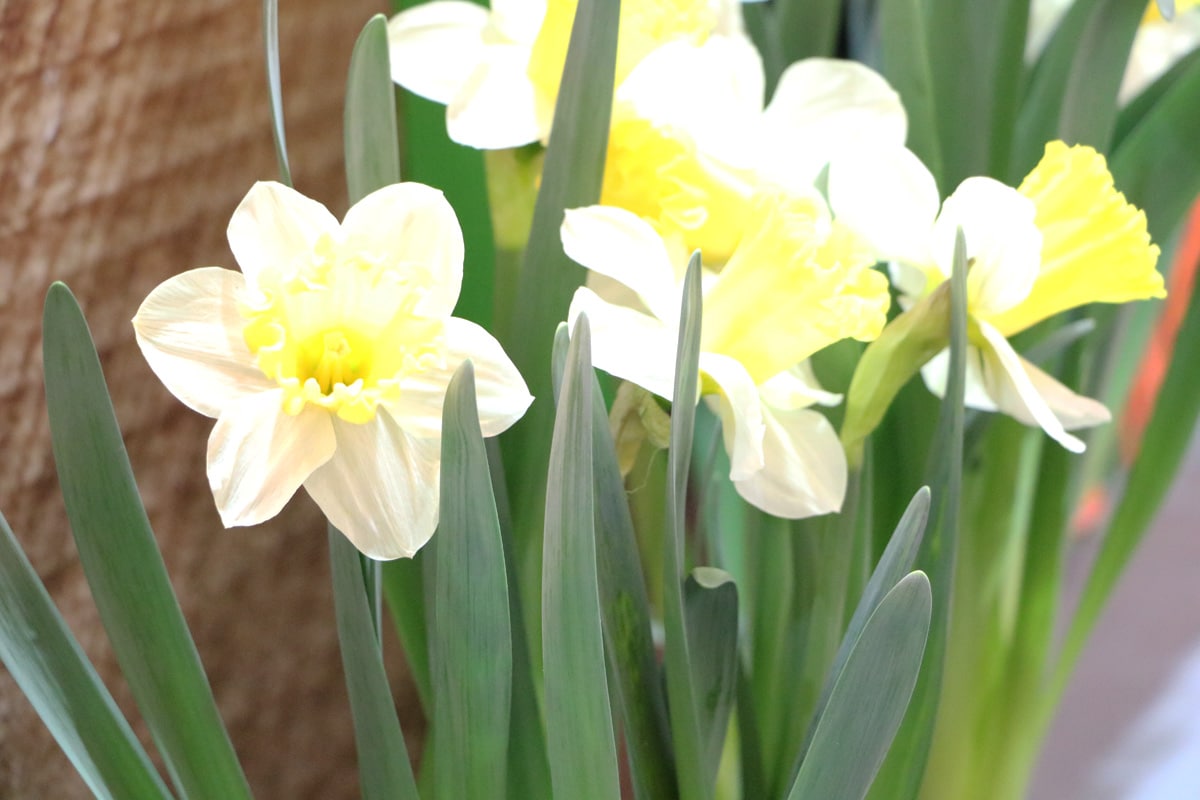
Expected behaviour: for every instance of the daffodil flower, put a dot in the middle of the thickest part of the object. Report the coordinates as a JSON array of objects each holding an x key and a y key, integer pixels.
[
  {"x": 1063, "y": 239},
  {"x": 497, "y": 71},
  {"x": 796, "y": 282},
  {"x": 691, "y": 140},
  {"x": 325, "y": 361}
]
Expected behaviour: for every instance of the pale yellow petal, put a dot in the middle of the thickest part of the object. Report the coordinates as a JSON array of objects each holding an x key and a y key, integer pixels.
[
  {"x": 276, "y": 227},
  {"x": 434, "y": 47},
  {"x": 498, "y": 107},
  {"x": 804, "y": 466},
  {"x": 628, "y": 344},
  {"x": 738, "y": 404}
]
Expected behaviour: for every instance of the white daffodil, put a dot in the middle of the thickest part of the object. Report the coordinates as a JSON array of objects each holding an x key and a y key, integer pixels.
[
  {"x": 1065, "y": 238},
  {"x": 796, "y": 282},
  {"x": 325, "y": 361},
  {"x": 1157, "y": 46},
  {"x": 497, "y": 71},
  {"x": 691, "y": 140}
]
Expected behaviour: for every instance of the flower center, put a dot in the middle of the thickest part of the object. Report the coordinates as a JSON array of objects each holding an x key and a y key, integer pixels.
[{"x": 341, "y": 331}]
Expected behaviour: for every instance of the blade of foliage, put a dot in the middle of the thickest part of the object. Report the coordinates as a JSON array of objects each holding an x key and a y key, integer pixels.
[
  {"x": 1163, "y": 447},
  {"x": 572, "y": 175},
  {"x": 710, "y": 601},
  {"x": 274, "y": 89},
  {"x": 905, "y": 764},
  {"x": 683, "y": 701},
  {"x": 404, "y": 592},
  {"x": 1158, "y": 164},
  {"x": 48, "y": 664},
  {"x": 868, "y": 697},
  {"x": 1142, "y": 106},
  {"x": 372, "y": 143},
  {"x": 123, "y": 566},
  {"x": 383, "y": 767},
  {"x": 908, "y": 66},
  {"x": 1072, "y": 94},
  {"x": 472, "y": 642},
  {"x": 579, "y": 728}
]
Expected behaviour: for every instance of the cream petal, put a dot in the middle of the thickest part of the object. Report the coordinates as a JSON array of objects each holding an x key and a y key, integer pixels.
[
  {"x": 888, "y": 197},
  {"x": 434, "y": 47},
  {"x": 824, "y": 108},
  {"x": 276, "y": 226},
  {"x": 258, "y": 456},
  {"x": 741, "y": 412},
  {"x": 411, "y": 226},
  {"x": 1023, "y": 391},
  {"x": 500, "y": 392},
  {"x": 498, "y": 106},
  {"x": 796, "y": 388},
  {"x": 519, "y": 20},
  {"x": 713, "y": 92},
  {"x": 936, "y": 373},
  {"x": 628, "y": 344},
  {"x": 804, "y": 466},
  {"x": 190, "y": 332},
  {"x": 729, "y": 17},
  {"x": 1004, "y": 246},
  {"x": 380, "y": 488},
  {"x": 621, "y": 245}
]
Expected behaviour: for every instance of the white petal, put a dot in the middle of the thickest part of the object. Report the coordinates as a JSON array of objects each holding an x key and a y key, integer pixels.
[
  {"x": 796, "y": 388},
  {"x": 258, "y": 456},
  {"x": 275, "y": 226},
  {"x": 410, "y": 225},
  {"x": 936, "y": 373},
  {"x": 1023, "y": 391},
  {"x": 741, "y": 413},
  {"x": 729, "y": 17},
  {"x": 500, "y": 392},
  {"x": 628, "y": 344},
  {"x": 887, "y": 196},
  {"x": 1004, "y": 246},
  {"x": 824, "y": 108},
  {"x": 713, "y": 92},
  {"x": 190, "y": 332},
  {"x": 519, "y": 20},
  {"x": 498, "y": 106},
  {"x": 380, "y": 488},
  {"x": 434, "y": 47},
  {"x": 804, "y": 466},
  {"x": 623, "y": 246}
]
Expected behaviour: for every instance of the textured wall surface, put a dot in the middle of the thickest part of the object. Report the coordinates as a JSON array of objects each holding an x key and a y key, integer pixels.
[{"x": 129, "y": 130}]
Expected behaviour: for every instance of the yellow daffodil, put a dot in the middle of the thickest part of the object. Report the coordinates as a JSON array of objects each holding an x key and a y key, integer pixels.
[
  {"x": 497, "y": 71},
  {"x": 796, "y": 282},
  {"x": 325, "y": 361},
  {"x": 1065, "y": 238},
  {"x": 1157, "y": 46},
  {"x": 691, "y": 140}
]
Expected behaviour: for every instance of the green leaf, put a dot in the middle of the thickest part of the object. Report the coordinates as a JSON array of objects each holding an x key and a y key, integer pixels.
[
  {"x": 808, "y": 28},
  {"x": 50, "y": 667},
  {"x": 1157, "y": 166},
  {"x": 472, "y": 642},
  {"x": 1072, "y": 94},
  {"x": 1163, "y": 447},
  {"x": 907, "y": 64},
  {"x": 404, "y": 592},
  {"x": 574, "y": 169},
  {"x": 579, "y": 728},
  {"x": 274, "y": 90},
  {"x": 683, "y": 702},
  {"x": 123, "y": 566},
  {"x": 904, "y": 767},
  {"x": 372, "y": 143},
  {"x": 868, "y": 697},
  {"x": 710, "y": 602},
  {"x": 383, "y": 766},
  {"x": 1142, "y": 106}
]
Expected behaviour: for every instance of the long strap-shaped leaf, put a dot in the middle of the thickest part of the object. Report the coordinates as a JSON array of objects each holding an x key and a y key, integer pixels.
[
  {"x": 868, "y": 696},
  {"x": 50, "y": 667},
  {"x": 690, "y": 750},
  {"x": 579, "y": 728},
  {"x": 123, "y": 566},
  {"x": 274, "y": 87},
  {"x": 371, "y": 141},
  {"x": 471, "y": 646},
  {"x": 383, "y": 766}
]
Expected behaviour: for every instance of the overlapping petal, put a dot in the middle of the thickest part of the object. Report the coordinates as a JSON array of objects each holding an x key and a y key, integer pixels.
[
  {"x": 738, "y": 405},
  {"x": 804, "y": 466},
  {"x": 189, "y": 330},
  {"x": 276, "y": 226},
  {"x": 434, "y": 47},
  {"x": 380, "y": 488},
  {"x": 628, "y": 344}
]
